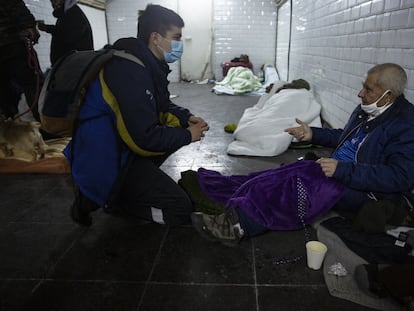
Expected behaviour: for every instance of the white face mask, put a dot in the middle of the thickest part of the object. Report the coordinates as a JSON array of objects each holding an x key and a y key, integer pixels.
[{"x": 372, "y": 109}]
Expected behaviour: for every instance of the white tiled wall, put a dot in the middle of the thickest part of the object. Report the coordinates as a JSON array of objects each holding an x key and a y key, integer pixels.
[
  {"x": 97, "y": 18},
  {"x": 282, "y": 41},
  {"x": 334, "y": 43},
  {"x": 240, "y": 27},
  {"x": 244, "y": 27},
  {"x": 122, "y": 20}
]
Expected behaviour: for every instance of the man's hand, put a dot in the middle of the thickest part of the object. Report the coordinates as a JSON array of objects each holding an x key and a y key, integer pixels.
[
  {"x": 195, "y": 120},
  {"x": 197, "y": 126},
  {"x": 302, "y": 132},
  {"x": 328, "y": 166},
  {"x": 42, "y": 26}
]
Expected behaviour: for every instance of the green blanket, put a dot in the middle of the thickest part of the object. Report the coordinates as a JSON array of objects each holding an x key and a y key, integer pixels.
[{"x": 241, "y": 80}]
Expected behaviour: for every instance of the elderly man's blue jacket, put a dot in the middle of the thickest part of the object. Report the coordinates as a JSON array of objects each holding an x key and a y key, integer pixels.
[{"x": 384, "y": 161}]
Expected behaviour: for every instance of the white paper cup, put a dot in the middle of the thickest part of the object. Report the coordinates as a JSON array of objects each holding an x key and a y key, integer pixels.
[{"x": 315, "y": 252}]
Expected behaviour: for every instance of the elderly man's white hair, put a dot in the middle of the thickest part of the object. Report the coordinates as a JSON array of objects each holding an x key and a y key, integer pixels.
[{"x": 390, "y": 76}]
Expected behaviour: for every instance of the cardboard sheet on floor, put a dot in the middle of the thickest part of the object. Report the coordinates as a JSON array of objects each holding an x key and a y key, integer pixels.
[
  {"x": 56, "y": 165},
  {"x": 345, "y": 287}
]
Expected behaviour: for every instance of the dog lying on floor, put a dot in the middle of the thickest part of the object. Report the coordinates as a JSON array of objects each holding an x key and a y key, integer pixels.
[{"x": 21, "y": 140}]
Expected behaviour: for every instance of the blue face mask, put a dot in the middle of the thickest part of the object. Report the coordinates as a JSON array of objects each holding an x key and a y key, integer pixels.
[{"x": 175, "y": 53}]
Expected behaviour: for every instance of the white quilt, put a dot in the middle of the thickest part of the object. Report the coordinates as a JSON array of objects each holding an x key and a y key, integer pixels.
[{"x": 260, "y": 131}]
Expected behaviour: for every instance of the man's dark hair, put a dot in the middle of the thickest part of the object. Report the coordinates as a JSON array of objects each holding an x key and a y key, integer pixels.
[{"x": 156, "y": 18}]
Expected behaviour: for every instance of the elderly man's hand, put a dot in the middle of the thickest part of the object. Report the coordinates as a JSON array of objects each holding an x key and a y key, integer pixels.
[
  {"x": 302, "y": 132},
  {"x": 197, "y": 126},
  {"x": 328, "y": 166}
]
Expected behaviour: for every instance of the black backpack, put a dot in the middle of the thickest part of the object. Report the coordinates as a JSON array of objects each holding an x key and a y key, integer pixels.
[{"x": 66, "y": 84}]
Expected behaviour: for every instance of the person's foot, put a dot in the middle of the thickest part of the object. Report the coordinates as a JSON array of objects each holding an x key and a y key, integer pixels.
[
  {"x": 81, "y": 209},
  {"x": 79, "y": 216},
  {"x": 217, "y": 228}
]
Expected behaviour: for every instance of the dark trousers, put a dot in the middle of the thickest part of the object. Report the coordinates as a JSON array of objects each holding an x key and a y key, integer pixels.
[
  {"x": 17, "y": 77},
  {"x": 145, "y": 189},
  {"x": 398, "y": 281},
  {"x": 250, "y": 227}
]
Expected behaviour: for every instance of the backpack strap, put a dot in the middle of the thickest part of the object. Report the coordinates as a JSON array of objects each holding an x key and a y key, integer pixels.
[
  {"x": 66, "y": 83},
  {"x": 82, "y": 92},
  {"x": 128, "y": 56}
]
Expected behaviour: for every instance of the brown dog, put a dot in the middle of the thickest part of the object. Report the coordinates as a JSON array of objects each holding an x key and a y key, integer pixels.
[{"x": 21, "y": 140}]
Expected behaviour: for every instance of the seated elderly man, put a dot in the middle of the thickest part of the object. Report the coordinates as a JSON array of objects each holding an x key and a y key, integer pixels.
[{"x": 373, "y": 160}]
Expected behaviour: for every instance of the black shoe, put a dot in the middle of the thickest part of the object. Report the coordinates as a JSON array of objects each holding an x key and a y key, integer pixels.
[
  {"x": 81, "y": 209},
  {"x": 311, "y": 156},
  {"x": 218, "y": 228}
]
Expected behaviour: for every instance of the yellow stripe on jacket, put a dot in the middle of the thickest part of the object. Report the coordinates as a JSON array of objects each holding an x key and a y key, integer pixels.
[{"x": 120, "y": 124}]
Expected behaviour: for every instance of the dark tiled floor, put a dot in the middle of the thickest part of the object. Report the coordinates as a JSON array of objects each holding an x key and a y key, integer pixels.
[{"x": 49, "y": 263}]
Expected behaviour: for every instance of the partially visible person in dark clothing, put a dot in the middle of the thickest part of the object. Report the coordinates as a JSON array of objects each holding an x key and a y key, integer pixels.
[
  {"x": 394, "y": 280},
  {"x": 71, "y": 32},
  {"x": 19, "y": 67}
]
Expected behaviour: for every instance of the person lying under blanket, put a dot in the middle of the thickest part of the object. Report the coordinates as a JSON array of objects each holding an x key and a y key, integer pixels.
[
  {"x": 373, "y": 160},
  {"x": 260, "y": 131}
]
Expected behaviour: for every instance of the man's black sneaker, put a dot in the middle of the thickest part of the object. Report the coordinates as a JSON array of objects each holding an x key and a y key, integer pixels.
[
  {"x": 81, "y": 209},
  {"x": 217, "y": 228}
]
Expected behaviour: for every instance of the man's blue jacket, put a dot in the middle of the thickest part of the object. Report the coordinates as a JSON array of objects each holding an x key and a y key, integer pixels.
[
  {"x": 126, "y": 109},
  {"x": 384, "y": 162}
]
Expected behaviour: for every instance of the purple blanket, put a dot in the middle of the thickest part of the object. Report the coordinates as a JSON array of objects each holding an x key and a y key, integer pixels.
[{"x": 272, "y": 197}]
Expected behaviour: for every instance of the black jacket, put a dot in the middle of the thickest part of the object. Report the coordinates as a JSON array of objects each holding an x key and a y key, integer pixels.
[
  {"x": 385, "y": 158},
  {"x": 71, "y": 32},
  {"x": 126, "y": 110},
  {"x": 141, "y": 113}
]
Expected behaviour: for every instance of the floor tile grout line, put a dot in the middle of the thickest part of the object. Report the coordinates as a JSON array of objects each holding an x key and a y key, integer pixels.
[
  {"x": 43, "y": 223},
  {"x": 156, "y": 260},
  {"x": 27, "y": 209},
  {"x": 53, "y": 266},
  {"x": 236, "y": 284},
  {"x": 322, "y": 285}
]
